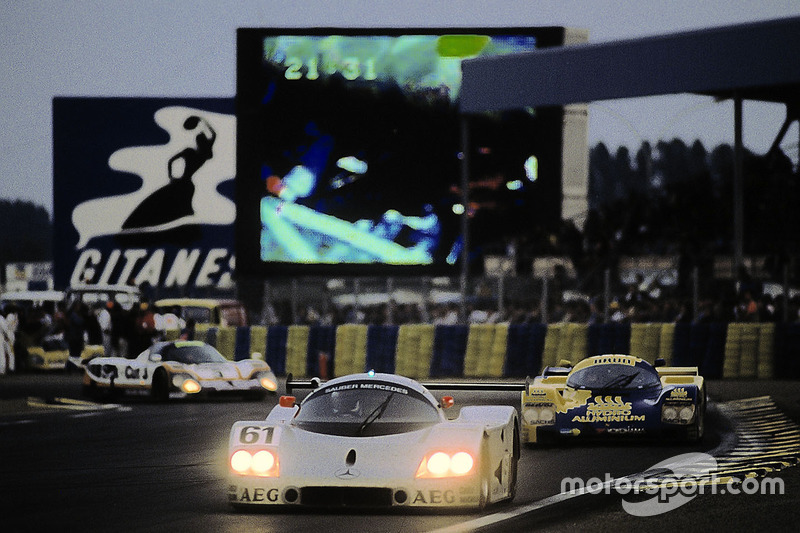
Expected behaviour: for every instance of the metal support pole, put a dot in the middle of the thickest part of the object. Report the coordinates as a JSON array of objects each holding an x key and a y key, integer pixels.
[
  {"x": 356, "y": 290},
  {"x": 390, "y": 300},
  {"x": 607, "y": 294},
  {"x": 738, "y": 187},
  {"x": 501, "y": 304},
  {"x": 785, "y": 293},
  {"x": 695, "y": 292},
  {"x": 545, "y": 298},
  {"x": 294, "y": 301}
]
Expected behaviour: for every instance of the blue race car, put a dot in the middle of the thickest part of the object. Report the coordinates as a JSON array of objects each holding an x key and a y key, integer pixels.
[{"x": 614, "y": 395}]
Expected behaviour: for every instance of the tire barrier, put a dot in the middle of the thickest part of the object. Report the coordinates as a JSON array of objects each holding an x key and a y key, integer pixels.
[
  {"x": 414, "y": 350},
  {"x": 275, "y": 352},
  {"x": 258, "y": 341},
  {"x": 297, "y": 351},
  {"x": 226, "y": 342},
  {"x": 565, "y": 341},
  {"x": 381, "y": 346},
  {"x": 609, "y": 338},
  {"x": 524, "y": 348},
  {"x": 351, "y": 349},
  {"x": 749, "y": 351},
  {"x": 720, "y": 350},
  {"x": 450, "y": 348},
  {"x": 486, "y": 350},
  {"x": 787, "y": 344}
]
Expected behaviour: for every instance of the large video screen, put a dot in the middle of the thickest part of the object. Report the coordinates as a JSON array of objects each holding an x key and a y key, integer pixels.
[{"x": 350, "y": 148}]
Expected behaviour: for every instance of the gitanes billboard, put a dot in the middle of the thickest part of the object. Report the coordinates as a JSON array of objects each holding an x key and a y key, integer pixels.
[{"x": 143, "y": 191}]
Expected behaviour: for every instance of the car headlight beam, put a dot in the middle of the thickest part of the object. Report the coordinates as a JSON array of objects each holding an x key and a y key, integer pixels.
[
  {"x": 268, "y": 383},
  {"x": 686, "y": 413},
  {"x": 262, "y": 463},
  {"x": 446, "y": 464}
]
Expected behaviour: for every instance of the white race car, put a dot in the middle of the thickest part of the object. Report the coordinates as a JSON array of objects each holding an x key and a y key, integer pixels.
[
  {"x": 179, "y": 368},
  {"x": 374, "y": 441}
]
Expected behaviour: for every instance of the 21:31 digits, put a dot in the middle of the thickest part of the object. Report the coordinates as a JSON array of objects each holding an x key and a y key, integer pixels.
[{"x": 351, "y": 68}]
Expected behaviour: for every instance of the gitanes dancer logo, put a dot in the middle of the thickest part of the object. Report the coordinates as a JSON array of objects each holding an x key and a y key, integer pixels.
[{"x": 179, "y": 180}]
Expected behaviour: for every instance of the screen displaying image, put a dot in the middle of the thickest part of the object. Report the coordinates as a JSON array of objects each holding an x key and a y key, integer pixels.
[{"x": 350, "y": 150}]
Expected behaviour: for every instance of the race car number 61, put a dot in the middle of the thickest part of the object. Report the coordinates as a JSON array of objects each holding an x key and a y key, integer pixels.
[{"x": 253, "y": 434}]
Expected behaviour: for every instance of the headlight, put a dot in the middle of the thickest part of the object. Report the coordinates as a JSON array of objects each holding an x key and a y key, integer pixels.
[
  {"x": 268, "y": 383},
  {"x": 539, "y": 414},
  {"x": 186, "y": 384},
  {"x": 531, "y": 415},
  {"x": 444, "y": 464},
  {"x": 262, "y": 463},
  {"x": 677, "y": 413}
]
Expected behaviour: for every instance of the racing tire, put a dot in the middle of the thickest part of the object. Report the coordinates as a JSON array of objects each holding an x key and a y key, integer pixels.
[
  {"x": 159, "y": 391},
  {"x": 485, "y": 479},
  {"x": 695, "y": 432},
  {"x": 512, "y": 487}
]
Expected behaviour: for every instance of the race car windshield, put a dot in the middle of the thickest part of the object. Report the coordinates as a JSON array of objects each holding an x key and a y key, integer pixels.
[
  {"x": 365, "y": 412},
  {"x": 191, "y": 353},
  {"x": 612, "y": 377}
]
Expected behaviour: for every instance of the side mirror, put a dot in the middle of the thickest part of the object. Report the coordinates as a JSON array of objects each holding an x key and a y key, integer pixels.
[
  {"x": 566, "y": 363},
  {"x": 447, "y": 402},
  {"x": 257, "y": 355},
  {"x": 155, "y": 357},
  {"x": 287, "y": 401},
  {"x": 659, "y": 362}
]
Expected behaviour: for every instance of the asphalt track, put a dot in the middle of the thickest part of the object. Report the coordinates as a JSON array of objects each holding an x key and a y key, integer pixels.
[{"x": 138, "y": 466}]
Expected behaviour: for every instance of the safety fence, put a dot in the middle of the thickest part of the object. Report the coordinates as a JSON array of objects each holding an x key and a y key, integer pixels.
[{"x": 720, "y": 350}]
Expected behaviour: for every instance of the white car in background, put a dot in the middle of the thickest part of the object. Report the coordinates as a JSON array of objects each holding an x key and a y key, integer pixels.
[{"x": 178, "y": 369}]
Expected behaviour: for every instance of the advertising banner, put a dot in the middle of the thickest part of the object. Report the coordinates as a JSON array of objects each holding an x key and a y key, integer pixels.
[{"x": 143, "y": 193}]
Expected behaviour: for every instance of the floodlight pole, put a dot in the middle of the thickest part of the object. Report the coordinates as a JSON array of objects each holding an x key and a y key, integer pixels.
[{"x": 738, "y": 186}]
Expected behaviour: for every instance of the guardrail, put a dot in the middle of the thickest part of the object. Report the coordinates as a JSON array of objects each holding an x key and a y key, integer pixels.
[{"x": 721, "y": 350}]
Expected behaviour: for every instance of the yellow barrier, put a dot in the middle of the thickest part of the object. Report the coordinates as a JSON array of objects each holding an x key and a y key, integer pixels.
[
  {"x": 414, "y": 350},
  {"x": 565, "y": 341},
  {"x": 296, "y": 350},
  {"x": 748, "y": 353},
  {"x": 574, "y": 345},
  {"x": 226, "y": 342},
  {"x": 497, "y": 359},
  {"x": 766, "y": 351},
  {"x": 666, "y": 342},
  {"x": 645, "y": 341},
  {"x": 351, "y": 349},
  {"x": 479, "y": 345},
  {"x": 258, "y": 341},
  {"x": 733, "y": 344}
]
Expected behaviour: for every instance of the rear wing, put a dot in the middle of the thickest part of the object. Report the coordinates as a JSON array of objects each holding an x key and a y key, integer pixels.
[
  {"x": 496, "y": 386},
  {"x": 678, "y": 371}
]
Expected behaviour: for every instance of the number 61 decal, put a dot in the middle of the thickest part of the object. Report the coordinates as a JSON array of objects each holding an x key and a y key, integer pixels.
[{"x": 256, "y": 434}]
